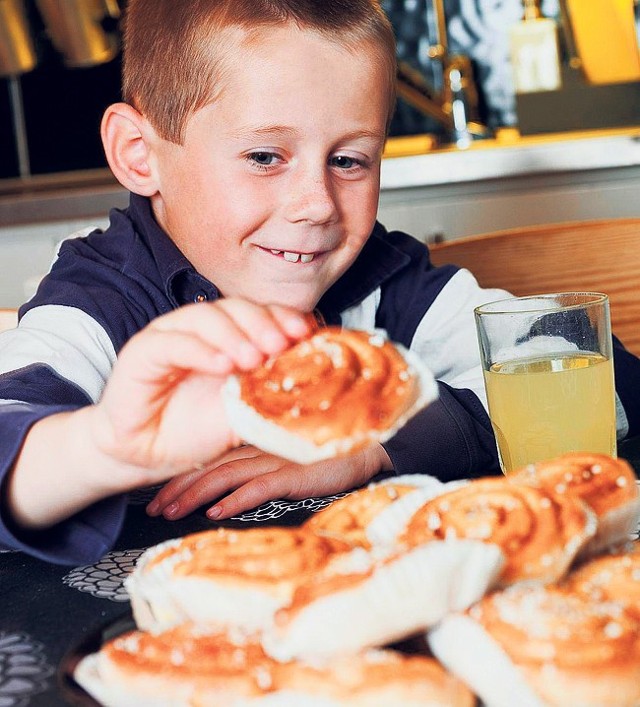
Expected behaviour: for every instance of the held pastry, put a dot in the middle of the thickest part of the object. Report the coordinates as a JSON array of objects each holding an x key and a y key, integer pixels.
[
  {"x": 329, "y": 395},
  {"x": 227, "y": 578},
  {"x": 540, "y": 533},
  {"x": 607, "y": 484},
  {"x": 350, "y": 518},
  {"x": 537, "y": 646},
  {"x": 184, "y": 667},
  {"x": 369, "y": 601}
]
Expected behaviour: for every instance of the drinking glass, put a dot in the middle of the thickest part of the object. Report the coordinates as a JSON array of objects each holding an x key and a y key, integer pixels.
[{"x": 548, "y": 375}]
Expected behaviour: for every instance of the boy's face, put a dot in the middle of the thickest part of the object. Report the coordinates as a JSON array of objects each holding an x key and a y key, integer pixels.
[{"x": 275, "y": 189}]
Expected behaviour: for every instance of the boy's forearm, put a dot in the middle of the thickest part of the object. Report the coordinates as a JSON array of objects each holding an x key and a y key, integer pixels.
[{"x": 60, "y": 471}]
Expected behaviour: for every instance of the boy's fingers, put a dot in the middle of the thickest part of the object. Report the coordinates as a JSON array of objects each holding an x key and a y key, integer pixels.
[
  {"x": 236, "y": 325},
  {"x": 233, "y": 470},
  {"x": 253, "y": 494},
  {"x": 159, "y": 352},
  {"x": 294, "y": 323},
  {"x": 172, "y": 490},
  {"x": 178, "y": 501},
  {"x": 292, "y": 481},
  {"x": 270, "y": 328},
  {"x": 213, "y": 327}
]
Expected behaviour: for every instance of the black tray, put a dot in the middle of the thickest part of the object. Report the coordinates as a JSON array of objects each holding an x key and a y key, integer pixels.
[{"x": 92, "y": 642}]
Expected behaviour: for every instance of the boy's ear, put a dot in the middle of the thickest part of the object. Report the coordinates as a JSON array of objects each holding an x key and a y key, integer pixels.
[{"x": 126, "y": 138}]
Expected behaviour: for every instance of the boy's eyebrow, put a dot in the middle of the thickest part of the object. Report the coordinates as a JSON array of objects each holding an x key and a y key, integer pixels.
[
  {"x": 265, "y": 130},
  {"x": 287, "y": 131}
]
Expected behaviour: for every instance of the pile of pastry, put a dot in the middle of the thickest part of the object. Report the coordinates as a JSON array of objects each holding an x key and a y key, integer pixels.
[{"x": 525, "y": 589}]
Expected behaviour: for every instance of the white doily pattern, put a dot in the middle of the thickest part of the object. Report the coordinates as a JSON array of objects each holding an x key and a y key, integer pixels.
[
  {"x": 276, "y": 509},
  {"x": 105, "y": 578},
  {"x": 24, "y": 670}
]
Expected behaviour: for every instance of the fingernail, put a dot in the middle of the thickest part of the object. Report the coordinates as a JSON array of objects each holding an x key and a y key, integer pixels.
[
  {"x": 214, "y": 512},
  {"x": 171, "y": 510},
  {"x": 249, "y": 355},
  {"x": 299, "y": 325},
  {"x": 153, "y": 508},
  {"x": 273, "y": 341}
]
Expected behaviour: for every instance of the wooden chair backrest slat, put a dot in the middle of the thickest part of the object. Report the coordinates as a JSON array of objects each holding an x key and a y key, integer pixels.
[
  {"x": 8, "y": 319},
  {"x": 598, "y": 256}
]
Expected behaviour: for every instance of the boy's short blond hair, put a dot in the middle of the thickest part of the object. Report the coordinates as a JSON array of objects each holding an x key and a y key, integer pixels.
[{"x": 176, "y": 51}]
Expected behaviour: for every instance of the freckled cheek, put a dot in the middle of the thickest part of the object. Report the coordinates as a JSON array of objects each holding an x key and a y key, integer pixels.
[
  {"x": 250, "y": 201},
  {"x": 360, "y": 206}
]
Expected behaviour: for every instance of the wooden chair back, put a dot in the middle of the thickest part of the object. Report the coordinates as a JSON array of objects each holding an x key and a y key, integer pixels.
[
  {"x": 595, "y": 256},
  {"x": 8, "y": 319}
]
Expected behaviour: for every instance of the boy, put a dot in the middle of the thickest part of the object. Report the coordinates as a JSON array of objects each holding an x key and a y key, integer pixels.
[{"x": 251, "y": 140}]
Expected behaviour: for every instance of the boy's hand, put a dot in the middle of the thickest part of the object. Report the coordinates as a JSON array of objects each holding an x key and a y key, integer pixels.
[
  {"x": 160, "y": 414},
  {"x": 247, "y": 477},
  {"x": 161, "y": 410}
]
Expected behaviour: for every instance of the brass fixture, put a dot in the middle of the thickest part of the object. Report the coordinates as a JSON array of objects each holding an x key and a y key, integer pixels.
[
  {"x": 75, "y": 28},
  {"x": 17, "y": 53},
  {"x": 17, "y": 56},
  {"x": 573, "y": 58},
  {"x": 455, "y": 107}
]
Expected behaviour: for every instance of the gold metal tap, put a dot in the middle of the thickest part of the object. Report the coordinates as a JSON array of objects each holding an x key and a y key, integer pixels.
[{"x": 455, "y": 107}]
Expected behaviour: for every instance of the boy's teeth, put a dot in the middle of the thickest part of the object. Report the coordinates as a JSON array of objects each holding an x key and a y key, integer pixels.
[{"x": 293, "y": 257}]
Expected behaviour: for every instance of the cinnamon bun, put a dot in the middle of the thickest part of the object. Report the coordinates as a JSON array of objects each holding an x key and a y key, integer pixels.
[
  {"x": 234, "y": 579},
  {"x": 606, "y": 484},
  {"x": 351, "y": 517},
  {"x": 541, "y": 646},
  {"x": 183, "y": 667},
  {"x": 613, "y": 576},
  {"x": 329, "y": 395},
  {"x": 370, "y": 601},
  {"x": 172, "y": 668},
  {"x": 540, "y": 533}
]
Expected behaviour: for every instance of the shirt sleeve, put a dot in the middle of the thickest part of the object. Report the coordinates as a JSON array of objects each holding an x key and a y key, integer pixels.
[
  {"x": 450, "y": 439},
  {"x": 430, "y": 310},
  {"x": 57, "y": 360},
  {"x": 626, "y": 368},
  {"x": 81, "y": 539}
]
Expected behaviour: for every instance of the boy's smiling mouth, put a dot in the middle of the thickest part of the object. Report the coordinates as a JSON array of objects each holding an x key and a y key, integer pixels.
[{"x": 291, "y": 256}]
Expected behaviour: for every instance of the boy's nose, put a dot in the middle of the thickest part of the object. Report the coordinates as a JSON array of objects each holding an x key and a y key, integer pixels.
[{"x": 311, "y": 199}]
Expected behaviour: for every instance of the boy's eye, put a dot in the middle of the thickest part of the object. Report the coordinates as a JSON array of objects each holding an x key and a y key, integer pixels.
[
  {"x": 262, "y": 158},
  {"x": 343, "y": 162}
]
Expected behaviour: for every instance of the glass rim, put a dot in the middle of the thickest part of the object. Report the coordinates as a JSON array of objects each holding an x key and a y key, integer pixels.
[{"x": 589, "y": 298}]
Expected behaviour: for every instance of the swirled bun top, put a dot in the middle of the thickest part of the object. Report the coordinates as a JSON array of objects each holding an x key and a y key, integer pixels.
[
  {"x": 608, "y": 485},
  {"x": 226, "y": 578},
  {"x": 540, "y": 532},
  {"x": 612, "y": 576},
  {"x": 185, "y": 666},
  {"x": 329, "y": 395}
]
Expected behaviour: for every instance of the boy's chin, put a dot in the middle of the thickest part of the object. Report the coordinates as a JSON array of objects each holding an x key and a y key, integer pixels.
[{"x": 303, "y": 302}]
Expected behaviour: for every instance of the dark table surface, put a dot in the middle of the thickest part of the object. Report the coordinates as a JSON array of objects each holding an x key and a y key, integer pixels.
[{"x": 48, "y": 612}]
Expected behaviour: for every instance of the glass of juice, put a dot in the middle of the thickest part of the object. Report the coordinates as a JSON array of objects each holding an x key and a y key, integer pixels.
[{"x": 548, "y": 373}]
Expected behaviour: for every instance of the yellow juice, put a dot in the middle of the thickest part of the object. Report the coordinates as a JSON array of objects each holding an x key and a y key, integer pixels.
[{"x": 545, "y": 406}]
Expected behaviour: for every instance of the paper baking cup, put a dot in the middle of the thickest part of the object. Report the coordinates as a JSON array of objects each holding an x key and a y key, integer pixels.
[{"x": 397, "y": 598}]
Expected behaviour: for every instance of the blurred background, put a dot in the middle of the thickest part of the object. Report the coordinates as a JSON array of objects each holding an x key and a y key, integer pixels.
[
  {"x": 55, "y": 86},
  {"x": 511, "y": 113}
]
